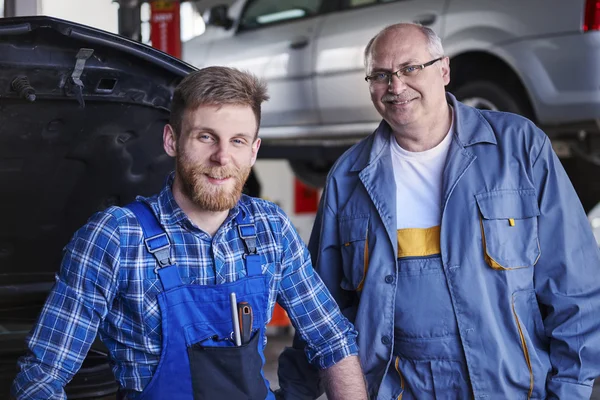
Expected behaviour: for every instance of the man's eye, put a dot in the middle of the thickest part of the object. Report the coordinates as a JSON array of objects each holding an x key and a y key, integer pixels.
[
  {"x": 411, "y": 69},
  {"x": 238, "y": 141},
  {"x": 381, "y": 76},
  {"x": 205, "y": 138}
]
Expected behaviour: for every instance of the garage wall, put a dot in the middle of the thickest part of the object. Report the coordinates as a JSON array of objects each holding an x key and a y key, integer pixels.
[
  {"x": 277, "y": 185},
  {"x": 101, "y": 14}
]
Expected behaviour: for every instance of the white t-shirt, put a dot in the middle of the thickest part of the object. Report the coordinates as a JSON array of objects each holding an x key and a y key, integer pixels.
[{"x": 418, "y": 178}]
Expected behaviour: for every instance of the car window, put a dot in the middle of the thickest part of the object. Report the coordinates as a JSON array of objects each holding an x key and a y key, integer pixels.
[{"x": 266, "y": 12}]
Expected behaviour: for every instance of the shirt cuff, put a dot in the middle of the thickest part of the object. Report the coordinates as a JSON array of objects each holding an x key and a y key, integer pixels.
[{"x": 337, "y": 354}]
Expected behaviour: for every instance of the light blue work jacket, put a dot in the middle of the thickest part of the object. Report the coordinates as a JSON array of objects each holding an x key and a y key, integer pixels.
[{"x": 518, "y": 254}]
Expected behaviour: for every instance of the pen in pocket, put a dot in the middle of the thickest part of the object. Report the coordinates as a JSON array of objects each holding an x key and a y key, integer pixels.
[{"x": 234, "y": 319}]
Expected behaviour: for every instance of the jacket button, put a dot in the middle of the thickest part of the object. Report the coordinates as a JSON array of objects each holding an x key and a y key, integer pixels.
[
  {"x": 389, "y": 279},
  {"x": 385, "y": 340}
]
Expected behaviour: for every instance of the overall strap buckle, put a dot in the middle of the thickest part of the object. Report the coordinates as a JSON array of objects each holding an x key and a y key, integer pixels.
[
  {"x": 155, "y": 238},
  {"x": 157, "y": 243},
  {"x": 247, "y": 232},
  {"x": 248, "y": 235},
  {"x": 160, "y": 247}
]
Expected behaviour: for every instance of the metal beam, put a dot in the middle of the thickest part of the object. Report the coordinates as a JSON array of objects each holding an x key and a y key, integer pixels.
[
  {"x": 130, "y": 21},
  {"x": 10, "y": 8},
  {"x": 17, "y": 8}
]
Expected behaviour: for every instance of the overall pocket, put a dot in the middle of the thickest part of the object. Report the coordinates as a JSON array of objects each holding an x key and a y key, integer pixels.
[
  {"x": 232, "y": 373},
  {"x": 424, "y": 316},
  {"x": 354, "y": 249},
  {"x": 509, "y": 228}
]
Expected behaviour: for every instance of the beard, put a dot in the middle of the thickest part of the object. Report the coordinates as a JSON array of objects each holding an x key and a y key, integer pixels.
[{"x": 202, "y": 193}]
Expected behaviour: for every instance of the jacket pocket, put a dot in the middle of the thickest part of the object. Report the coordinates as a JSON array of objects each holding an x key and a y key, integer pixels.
[
  {"x": 533, "y": 342},
  {"x": 353, "y": 232},
  {"x": 509, "y": 228}
]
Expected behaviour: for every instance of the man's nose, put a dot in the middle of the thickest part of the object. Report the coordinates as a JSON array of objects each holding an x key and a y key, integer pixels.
[
  {"x": 221, "y": 153},
  {"x": 396, "y": 84}
]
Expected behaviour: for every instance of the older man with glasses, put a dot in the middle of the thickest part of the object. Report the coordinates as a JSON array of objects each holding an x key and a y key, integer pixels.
[{"x": 455, "y": 242}]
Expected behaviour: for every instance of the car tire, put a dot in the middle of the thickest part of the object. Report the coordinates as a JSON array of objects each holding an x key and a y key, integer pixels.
[
  {"x": 489, "y": 95},
  {"x": 311, "y": 173}
]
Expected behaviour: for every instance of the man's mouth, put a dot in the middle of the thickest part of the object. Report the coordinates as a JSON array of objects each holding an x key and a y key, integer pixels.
[
  {"x": 217, "y": 179},
  {"x": 399, "y": 102}
]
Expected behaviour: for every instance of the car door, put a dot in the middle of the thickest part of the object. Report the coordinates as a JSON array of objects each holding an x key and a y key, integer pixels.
[
  {"x": 275, "y": 40},
  {"x": 342, "y": 93}
]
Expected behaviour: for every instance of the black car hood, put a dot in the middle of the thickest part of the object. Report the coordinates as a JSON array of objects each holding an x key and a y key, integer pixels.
[{"x": 81, "y": 119}]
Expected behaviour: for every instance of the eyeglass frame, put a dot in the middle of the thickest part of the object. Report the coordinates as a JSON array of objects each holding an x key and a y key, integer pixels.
[{"x": 369, "y": 78}]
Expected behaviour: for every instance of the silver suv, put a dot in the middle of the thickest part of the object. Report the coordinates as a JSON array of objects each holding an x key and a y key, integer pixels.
[{"x": 538, "y": 58}]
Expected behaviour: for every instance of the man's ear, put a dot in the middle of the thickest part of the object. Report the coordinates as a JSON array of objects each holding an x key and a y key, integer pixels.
[
  {"x": 169, "y": 140},
  {"x": 255, "y": 147},
  {"x": 446, "y": 70}
]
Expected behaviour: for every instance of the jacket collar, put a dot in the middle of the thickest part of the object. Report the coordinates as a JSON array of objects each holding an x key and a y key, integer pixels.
[
  {"x": 374, "y": 147},
  {"x": 470, "y": 127}
]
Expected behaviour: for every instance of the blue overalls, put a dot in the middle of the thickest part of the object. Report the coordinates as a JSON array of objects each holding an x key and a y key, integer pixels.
[
  {"x": 199, "y": 359},
  {"x": 429, "y": 361}
]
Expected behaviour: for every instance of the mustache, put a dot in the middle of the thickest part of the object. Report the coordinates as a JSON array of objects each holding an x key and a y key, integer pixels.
[
  {"x": 393, "y": 97},
  {"x": 216, "y": 172}
]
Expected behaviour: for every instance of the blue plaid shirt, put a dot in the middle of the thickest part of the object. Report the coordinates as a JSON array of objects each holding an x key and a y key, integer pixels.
[{"x": 107, "y": 284}]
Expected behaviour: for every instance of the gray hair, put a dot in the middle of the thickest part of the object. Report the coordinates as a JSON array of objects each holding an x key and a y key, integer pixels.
[{"x": 434, "y": 43}]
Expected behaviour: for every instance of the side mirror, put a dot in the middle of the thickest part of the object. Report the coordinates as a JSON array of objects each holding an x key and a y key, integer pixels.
[{"x": 217, "y": 16}]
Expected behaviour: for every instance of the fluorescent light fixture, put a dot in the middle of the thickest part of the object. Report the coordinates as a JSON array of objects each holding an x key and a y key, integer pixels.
[{"x": 280, "y": 16}]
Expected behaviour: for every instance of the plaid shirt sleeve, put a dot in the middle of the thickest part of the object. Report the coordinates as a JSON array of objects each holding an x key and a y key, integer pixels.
[
  {"x": 329, "y": 336},
  {"x": 79, "y": 300}
]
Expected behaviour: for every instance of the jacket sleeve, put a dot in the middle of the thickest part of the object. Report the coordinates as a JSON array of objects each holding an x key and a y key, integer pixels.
[
  {"x": 298, "y": 379},
  {"x": 324, "y": 247},
  {"x": 567, "y": 281}
]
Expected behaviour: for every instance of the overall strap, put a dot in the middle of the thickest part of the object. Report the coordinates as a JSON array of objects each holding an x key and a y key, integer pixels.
[
  {"x": 157, "y": 243},
  {"x": 247, "y": 232}
]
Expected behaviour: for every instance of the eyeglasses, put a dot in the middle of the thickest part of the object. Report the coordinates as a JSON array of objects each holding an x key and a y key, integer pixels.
[{"x": 408, "y": 71}]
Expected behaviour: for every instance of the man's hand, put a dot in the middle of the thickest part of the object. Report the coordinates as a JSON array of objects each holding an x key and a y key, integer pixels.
[{"x": 345, "y": 380}]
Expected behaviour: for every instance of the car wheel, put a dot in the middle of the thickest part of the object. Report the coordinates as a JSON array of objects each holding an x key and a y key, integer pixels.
[
  {"x": 312, "y": 173},
  {"x": 487, "y": 95},
  {"x": 583, "y": 167}
]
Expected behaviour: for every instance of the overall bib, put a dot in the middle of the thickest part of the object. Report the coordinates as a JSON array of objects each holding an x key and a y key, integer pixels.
[
  {"x": 429, "y": 361},
  {"x": 199, "y": 359}
]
